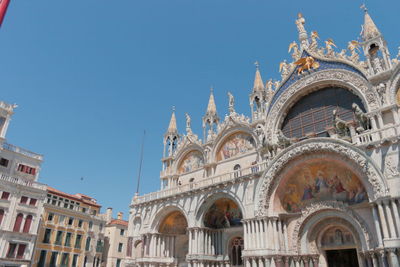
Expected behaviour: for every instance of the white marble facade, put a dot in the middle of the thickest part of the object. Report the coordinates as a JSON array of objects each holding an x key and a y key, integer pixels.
[{"x": 301, "y": 182}]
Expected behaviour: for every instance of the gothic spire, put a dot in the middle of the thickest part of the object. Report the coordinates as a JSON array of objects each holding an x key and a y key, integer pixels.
[
  {"x": 258, "y": 83},
  {"x": 211, "y": 107},
  {"x": 172, "y": 128},
  {"x": 369, "y": 29}
]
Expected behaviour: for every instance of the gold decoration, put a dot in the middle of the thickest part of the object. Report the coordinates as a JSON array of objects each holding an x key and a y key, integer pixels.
[{"x": 306, "y": 63}]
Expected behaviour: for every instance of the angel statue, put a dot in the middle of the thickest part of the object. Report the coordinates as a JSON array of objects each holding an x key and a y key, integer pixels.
[
  {"x": 231, "y": 103},
  {"x": 268, "y": 85},
  {"x": 329, "y": 50},
  {"x": 342, "y": 54},
  {"x": 296, "y": 52},
  {"x": 353, "y": 47},
  {"x": 188, "y": 121},
  {"x": 284, "y": 69},
  {"x": 300, "y": 21},
  {"x": 276, "y": 84},
  {"x": 314, "y": 44}
]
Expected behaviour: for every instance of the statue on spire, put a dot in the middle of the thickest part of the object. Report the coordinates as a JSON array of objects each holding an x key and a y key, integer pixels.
[
  {"x": 314, "y": 43},
  {"x": 300, "y": 21},
  {"x": 231, "y": 103},
  {"x": 296, "y": 52},
  {"x": 188, "y": 121}
]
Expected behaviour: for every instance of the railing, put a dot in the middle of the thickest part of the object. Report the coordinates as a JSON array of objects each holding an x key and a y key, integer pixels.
[
  {"x": 22, "y": 151},
  {"x": 372, "y": 136},
  {"x": 23, "y": 182},
  {"x": 230, "y": 176}
]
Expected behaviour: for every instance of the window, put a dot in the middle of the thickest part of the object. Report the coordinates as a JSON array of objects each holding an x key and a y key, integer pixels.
[
  {"x": 4, "y": 162},
  {"x": 122, "y": 232},
  {"x": 64, "y": 260},
  {"x": 24, "y": 200},
  {"x": 87, "y": 247},
  {"x": 5, "y": 195},
  {"x": 84, "y": 210},
  {"x": 90, "y": 225},
  {"x": 101, "y": 227},
  {"x": 312, "y": 114},
  {"x": 26, "y": 169},
  {"x": 18, "y": 222},
  {"x": 61, "y": 219},
  {"x": 58, "y": 237},
  {"x": 50, "y": 216},
  {"x": 1, "y": 216},
  {"x": 80, "y": 223},
  {"x": 70, "y": 221},
  {"x": 11, "y": 250},
  {"x": 99, "y": 246},
  {"x": 53, "y": 259},
  {"x": 47, "y": 234},
  {"x": 75, "y": 260},
  {"x": 21, "y": 251},
  {"x": 67, "y": 242},
  {"x": 237, "y": 172},
  {"x": 236, "y": 252},
  {"x": 42, "y": 259},
  {"x": 120, "y": 245},
  {"x": 27, "y": 225},
  {"x": 118, "y": 262},
  {"x": 33, "y": 201},
  {"x": 78, "y": 241}
]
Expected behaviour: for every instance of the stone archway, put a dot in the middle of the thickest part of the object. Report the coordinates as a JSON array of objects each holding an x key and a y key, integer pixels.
[
  {"x": 174, "y": 235},
  {"x": 355, "y": 159}
]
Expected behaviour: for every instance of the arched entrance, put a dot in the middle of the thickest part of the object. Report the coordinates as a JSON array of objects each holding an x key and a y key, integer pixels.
[{"x": 173, "y": 229}]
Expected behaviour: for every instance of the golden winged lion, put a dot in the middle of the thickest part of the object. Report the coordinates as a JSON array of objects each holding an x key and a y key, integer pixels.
[{"x": 306, "y": 63}]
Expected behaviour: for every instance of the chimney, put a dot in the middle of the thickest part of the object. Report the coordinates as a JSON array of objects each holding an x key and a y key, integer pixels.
[
  {"x": 109, "y": 215},
  {"x": 119, "y": 216}
]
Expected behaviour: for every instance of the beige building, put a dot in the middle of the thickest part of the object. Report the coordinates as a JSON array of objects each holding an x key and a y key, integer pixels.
[
  {"x": 21, "y": 197},
  {"x": 71, "y": 233},
  {"x": 115, "y": 240}
]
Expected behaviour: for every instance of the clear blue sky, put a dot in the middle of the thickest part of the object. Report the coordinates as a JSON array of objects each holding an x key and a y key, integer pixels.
[{"x": 90, "y": 75}]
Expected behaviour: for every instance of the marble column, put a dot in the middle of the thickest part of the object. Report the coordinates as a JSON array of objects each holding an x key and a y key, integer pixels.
[
  {"x": 396, "y": 215},
  {"x": 383, "y": 221},
  {"x": 190, "y": 241},
  {"x": 275, "y": 233},
  {"x": 260, "y": 262},
  {"x": 393, "y": 259},
  {"x": 377, "y": 225},
  {"x": 389, "y": 219}
]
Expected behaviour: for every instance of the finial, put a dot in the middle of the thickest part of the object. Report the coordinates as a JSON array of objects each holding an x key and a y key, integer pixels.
[
  {"x": 364, "y": 8},
  {"x": 257, "y": 64},
  {"x": 173, "y": 108},
  {"x": 211, "y": 89}
]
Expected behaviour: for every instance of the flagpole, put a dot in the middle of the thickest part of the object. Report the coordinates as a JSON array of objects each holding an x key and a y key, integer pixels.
[{"x": 140, "y": 165}]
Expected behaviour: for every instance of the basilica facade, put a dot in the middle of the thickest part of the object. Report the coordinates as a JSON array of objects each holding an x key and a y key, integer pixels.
[{"x": 310, "y": 179}]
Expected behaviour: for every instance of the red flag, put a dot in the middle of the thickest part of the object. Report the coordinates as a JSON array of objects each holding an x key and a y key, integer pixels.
[{"x": 3, "y": 9}]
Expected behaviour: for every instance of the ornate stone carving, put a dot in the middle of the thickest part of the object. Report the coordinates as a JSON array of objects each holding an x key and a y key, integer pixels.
[
  {"x": 271, "y": 177},
  {"x": 343, "y": 77},
  {"x": 390, "y": 168}
]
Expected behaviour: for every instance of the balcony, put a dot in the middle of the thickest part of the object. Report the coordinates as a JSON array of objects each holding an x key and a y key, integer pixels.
[
  {"x": 378, "y": 136},
  {"x": 20, "y": 181},
  {"x": 206, "y": 182},
  {"x": 22, "y": 151}
]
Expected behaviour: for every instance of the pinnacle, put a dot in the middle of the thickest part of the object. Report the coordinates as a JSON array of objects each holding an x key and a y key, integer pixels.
[
  {"x": 258, "y": 82},
  {"x": 369, "y": 28},
  {"x": 172, "y": 128}
]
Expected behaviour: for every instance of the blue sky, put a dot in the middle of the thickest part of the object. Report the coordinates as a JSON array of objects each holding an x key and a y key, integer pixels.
[{"x": 89, "y": 76}]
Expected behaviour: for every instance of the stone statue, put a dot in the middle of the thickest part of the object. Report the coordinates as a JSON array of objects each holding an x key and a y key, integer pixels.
[
  {"x": 188, "y": 120},
  {"x": 231, "y": 103},
  {"x": 329, "y": 50},
  {"x": 276, "y": 84},
  {"x": 314, "y": 43},
  {"x": 353, "y": 46},
  {"x": 340, "y": 126},
  {"x": 300, "y": 21},
  {"x": 269, "y": 84},
  {"x": 342, "y": 54},
  {"x": 362, "y": 119},
  {"x": 381, "y": 88},
  {"x": 284, "y": 69},
  {"x": 283, "y": 141},
  {"x": 296, "y": 52}
]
